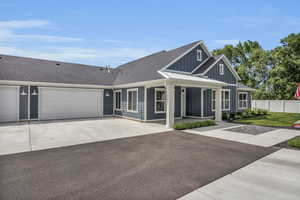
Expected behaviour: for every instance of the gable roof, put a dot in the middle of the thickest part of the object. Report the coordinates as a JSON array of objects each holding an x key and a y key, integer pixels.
[
  {"x": 144, "y": 69},
  {"x": 202, "y": 70},
  {"x": 28, "y": 69},
  {"x": 147, "y": 68},
  {"x": 243, "y": 87}
]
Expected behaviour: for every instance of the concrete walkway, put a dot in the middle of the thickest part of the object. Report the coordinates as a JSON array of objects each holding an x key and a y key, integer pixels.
[
  {"x": 22, "y": 137},
  {"x": 275, "y": 177},
  {"x": 267, "y": 139}
]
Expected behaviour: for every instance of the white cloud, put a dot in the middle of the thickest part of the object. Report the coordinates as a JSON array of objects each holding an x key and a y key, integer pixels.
[
  {"x": 14, "y": 24},
  {"x": 8, "y": 34},
  {"x": 224, "y": 42},
  {"x": 76, "y": 53}
]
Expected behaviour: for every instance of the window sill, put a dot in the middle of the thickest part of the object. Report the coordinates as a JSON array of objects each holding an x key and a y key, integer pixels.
[
  {"x": 159, "y": 112},
  {"x": 132, "y": 111}
]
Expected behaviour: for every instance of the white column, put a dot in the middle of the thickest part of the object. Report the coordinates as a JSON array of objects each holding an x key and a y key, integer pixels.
[
  {"x": 170, "y": 88},
  {"x": 218, "y": 111}
]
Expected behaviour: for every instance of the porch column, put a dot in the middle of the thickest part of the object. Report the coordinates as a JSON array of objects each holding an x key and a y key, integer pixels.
[
  {"x": 170, "y": 88},
  {"x": 218, "y": 111}
]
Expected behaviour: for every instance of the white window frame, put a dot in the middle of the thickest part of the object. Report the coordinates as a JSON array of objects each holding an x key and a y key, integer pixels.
[
  {"x": 213, "y": 100},
  {"x": 221, "y": 68},
  {"x": 243, "y": 100},
  {"x": 199, "y": 55},
  {"x": 115, "y": 99},
  {"x": 155, "y": 100},
  {"x": 223, "y": 99},
  {"x": 137, "y": 99}
]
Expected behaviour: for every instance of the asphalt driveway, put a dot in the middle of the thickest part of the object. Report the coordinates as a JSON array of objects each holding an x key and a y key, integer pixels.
[{"x": 156, "y": 166}]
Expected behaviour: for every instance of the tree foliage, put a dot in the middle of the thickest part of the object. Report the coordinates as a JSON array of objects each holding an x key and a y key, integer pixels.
[{"x": 274, "y": 73}]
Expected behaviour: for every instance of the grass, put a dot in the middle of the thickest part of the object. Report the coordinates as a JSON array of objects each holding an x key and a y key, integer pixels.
[
  {"x": 190, "y": 125},
  {"x": 272, "y": 119},
  {"x": 294, "y": 142}
]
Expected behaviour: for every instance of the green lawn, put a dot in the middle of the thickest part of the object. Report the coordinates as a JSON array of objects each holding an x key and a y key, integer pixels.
[
  {"x": 294, "y": 142},
  {"x": 272, "y": 119}
]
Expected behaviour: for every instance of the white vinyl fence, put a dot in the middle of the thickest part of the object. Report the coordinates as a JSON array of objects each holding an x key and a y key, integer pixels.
[{"x": 288, "y": 106}]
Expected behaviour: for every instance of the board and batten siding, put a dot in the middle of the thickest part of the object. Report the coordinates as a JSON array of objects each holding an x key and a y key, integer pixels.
[
  {"x": 151, "y": 115},
  {"x": 123, "y": 112},
  {"x": 214, "y": 73},
  {"x": 189, "y": 61}
]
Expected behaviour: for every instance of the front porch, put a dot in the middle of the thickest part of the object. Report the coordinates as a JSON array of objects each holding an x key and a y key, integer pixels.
[{"x": 180, "y": 99}]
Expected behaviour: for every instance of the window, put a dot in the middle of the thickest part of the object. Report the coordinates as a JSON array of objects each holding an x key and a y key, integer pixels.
[
  {"x": 118, "y": 97},
  {"x": 160, "y": 100},
  {"x": 221, "y": 69},
  {"x": 243, "y": 100},
  {"x": 132, "y": 100},
  {"x": 225, "y": 99},
  {"x": 199, "y": 55},
  {"x": 213, "y": 100}
]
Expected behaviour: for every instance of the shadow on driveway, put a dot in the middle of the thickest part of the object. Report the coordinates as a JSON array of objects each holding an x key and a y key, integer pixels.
[{"x": 158, "y": 166}]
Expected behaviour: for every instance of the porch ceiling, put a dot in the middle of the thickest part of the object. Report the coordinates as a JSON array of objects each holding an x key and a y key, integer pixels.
[{"x": 192, "y": 81}]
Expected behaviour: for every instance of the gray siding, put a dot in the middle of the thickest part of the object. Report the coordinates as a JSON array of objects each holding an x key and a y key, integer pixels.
[
  {"x": 123, "y": 112},
  {"x": 108, "y": 102},
  {"x": 188, "y": 62},
  {"x": 214, "y": 73},
  {"x": 207, "y": 103},
  {"x": 151, "y": 104},
  {"x": 23, "y": 107}
]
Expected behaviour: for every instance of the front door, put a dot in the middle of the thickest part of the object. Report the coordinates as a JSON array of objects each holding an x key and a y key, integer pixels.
[{"x": 183, "y": 102}]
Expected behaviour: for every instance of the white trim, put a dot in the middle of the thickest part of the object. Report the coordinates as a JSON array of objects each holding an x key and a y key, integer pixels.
[
  {"x": 148, "y": 84},
  {"x": 202, "y": 63},
  {"x": 202, "y": 107},
  {"x": 211, "y": 66},
  {"x": 178, "y": 72},
  {"x": 145, "y": 102},
  {"x": 212, "y": 91},
  {"x": 28, "y": 98},
  {"x": 238, "y": 102},
  {"x": 137, "y": 99},
  {"x": 155, "y": 100},
  {"x": 199, "y": 55},
  {"x": 221, "y": 69},
  {"x": 50, "y": 84},
  {"x": 115, "y": 102},
  {"x": 223, "y": 101},
  {"x": 247, "y": 89}
]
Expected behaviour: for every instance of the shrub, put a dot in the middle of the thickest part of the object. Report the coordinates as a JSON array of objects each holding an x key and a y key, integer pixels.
[
  {"x": 191, "y": 125},
  {"x": 225, "y": 116}
]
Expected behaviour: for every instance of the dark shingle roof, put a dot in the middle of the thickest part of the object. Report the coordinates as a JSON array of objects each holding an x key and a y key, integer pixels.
[
  {"x": 146, "y": 68},
  {"x": 37, "y": 70},
  {"x": 207, "y": 64}
]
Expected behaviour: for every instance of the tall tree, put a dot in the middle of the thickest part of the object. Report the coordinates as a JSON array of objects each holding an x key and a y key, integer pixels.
[
  {"x": 251, "y": 61},
  {"x": 286, "y": 73}
]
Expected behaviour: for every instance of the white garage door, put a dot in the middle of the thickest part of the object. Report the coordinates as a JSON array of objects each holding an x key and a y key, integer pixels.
[
  {"x": 64, "y": 103},
  {"x": 9, "y": 103}
]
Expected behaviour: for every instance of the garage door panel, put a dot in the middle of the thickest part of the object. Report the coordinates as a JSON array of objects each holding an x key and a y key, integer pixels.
[
  {"x": 9, "y": 103},
  {"x": 63, "y": 103}
]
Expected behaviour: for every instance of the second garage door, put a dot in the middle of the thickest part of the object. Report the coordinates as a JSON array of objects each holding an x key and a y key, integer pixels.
[
  {"x": 9, "y": 103},
  {"x": 64, "y": 103}
]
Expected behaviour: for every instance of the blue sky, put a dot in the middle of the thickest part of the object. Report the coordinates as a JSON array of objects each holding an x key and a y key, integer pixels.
[{"x": 114, "y": 32}]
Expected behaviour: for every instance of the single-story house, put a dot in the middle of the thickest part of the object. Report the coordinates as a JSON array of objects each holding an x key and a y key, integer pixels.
[{"x": 184, "y": 82}]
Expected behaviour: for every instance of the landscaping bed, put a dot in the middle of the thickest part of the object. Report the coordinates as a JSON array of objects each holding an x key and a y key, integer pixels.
[
  {"x": 291, "y": 144},
  {"x": 190, "y": 125}
]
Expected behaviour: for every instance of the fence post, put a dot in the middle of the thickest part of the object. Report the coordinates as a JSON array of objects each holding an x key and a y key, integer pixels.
[
  {"x": 283, "y": 105},
  {"x": 269, "y": 106}
]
